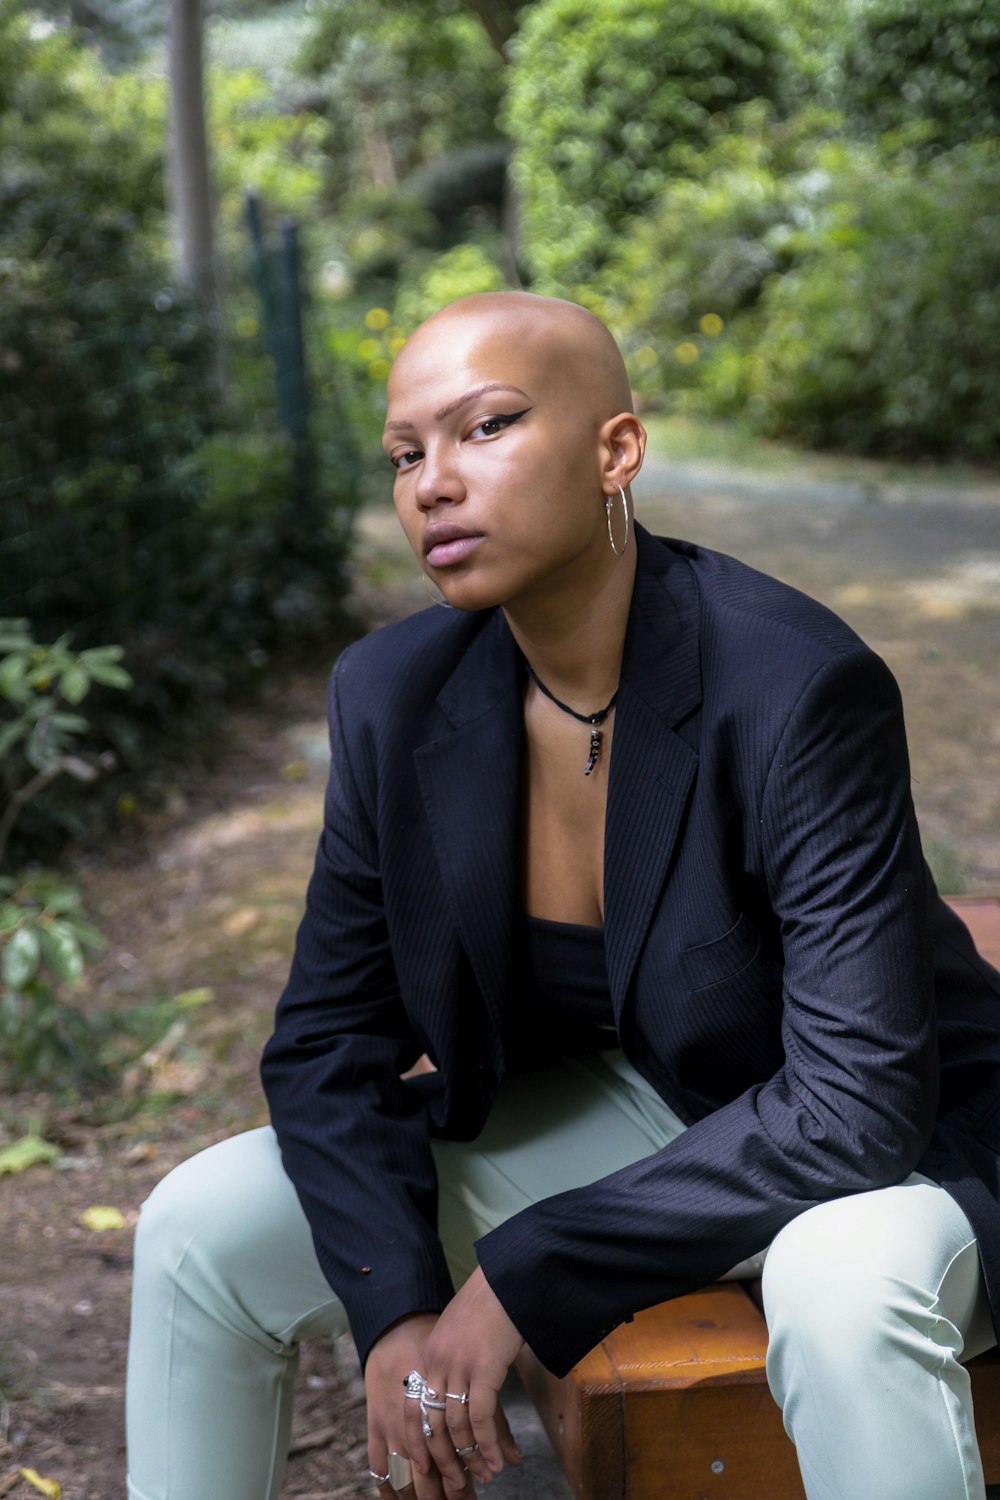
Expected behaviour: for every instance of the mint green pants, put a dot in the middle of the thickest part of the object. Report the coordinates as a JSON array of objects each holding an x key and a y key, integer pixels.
[{"x": 872, "y": 1301}]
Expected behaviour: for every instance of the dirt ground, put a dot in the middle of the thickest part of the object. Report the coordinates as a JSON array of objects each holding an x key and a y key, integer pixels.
[{"x": 207, "y": 896}]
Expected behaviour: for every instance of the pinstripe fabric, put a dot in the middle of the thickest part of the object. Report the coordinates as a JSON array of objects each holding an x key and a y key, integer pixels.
[{"x": 781, "y": 968}]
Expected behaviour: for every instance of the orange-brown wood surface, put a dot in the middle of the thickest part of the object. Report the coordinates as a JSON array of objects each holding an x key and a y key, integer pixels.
[{"x": 981, "y": 914}]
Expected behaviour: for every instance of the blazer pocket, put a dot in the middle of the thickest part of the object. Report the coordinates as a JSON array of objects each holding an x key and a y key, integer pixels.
[{"x": 723, "y": 958}]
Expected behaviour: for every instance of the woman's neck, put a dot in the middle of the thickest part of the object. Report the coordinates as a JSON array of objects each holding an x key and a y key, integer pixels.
[{"x": 574, "y": 637}]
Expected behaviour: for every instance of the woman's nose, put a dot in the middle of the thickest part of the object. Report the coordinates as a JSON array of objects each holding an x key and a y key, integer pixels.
[{"x": 439, "y": 481}]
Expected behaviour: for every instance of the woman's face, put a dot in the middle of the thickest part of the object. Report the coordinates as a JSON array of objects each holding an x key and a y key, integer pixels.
[{"x": 498, "y": 461}]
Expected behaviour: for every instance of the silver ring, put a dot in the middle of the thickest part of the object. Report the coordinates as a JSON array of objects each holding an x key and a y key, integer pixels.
[
  {"x": 427, "y": 1429},
  {"x": 462, "y": 1396},
  {"x": 400, "y": 1471},
  {"x": 469, "y": 1448},
  {"x": 380, "y": 1478},
  {"x": 415, "y": 1385}
]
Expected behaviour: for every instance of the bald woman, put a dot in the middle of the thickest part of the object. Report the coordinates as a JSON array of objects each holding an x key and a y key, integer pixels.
[{"x": 621, "y": 841}]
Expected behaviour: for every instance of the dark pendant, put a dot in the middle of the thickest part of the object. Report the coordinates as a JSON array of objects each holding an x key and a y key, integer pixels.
[{"x": 595, "y": 751}]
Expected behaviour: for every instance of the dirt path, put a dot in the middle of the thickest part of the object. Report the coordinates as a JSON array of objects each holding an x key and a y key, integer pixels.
[{"x": 210, "y": 897}]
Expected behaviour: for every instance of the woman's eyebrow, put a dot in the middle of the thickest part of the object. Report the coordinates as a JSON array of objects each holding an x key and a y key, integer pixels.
[{"x": 446, "y": 411}]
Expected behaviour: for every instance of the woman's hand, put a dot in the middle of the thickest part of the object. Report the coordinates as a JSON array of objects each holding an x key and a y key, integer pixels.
[
  {"x": 391, "y": 1358},
  {"x": 469, "y": 1350}
]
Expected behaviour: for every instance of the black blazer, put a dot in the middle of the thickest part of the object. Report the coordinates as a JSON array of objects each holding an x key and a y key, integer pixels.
[{"x": 782, "y": 969}]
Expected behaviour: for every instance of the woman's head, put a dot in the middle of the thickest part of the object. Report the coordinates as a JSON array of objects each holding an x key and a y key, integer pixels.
[{"x": 509, "y": 420}]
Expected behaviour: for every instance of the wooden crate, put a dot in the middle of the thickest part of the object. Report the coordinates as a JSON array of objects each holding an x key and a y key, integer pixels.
[{"x": 675, "y": 1405}]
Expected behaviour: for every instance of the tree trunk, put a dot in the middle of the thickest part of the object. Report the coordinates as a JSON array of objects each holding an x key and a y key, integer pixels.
[{"x": 190, "y": 184}]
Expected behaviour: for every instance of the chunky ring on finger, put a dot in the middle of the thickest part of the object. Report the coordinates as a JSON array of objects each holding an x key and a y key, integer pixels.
[
  {"x": 415, "y": 1385},
  {"x": 462, "y": 1396},
  {"x": 400, "y": 1471},
  {"x": 469, "y": 1448}
]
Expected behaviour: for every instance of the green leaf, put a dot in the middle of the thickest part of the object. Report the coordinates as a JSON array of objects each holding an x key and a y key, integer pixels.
[
  {"x": 110, "y": 675},
  {"x": 90, "y": 937},
  {"x": 69, "y": 723},
  {"x": 59, "y": 899},
  {"x": 19, "y": 960},
  {"x": 12, "y": 675},
  {"x": 9, "y": 736},
  {"x": 60, "y": 949},
  {"x": 193, "y": 999},
  {"x": 98, "y": 655},
  {"x": 74, "y": 684},
  {"x": 29, "y": 1151},
  {"x": 10, "y": 915},
  {"x": 15, "y": 635}
]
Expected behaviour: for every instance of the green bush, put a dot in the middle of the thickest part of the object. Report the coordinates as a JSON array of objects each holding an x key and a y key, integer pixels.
[
  {"x": 821, "y": 291},
  {"x": 928, "y": 69},
  {"x": 459, "y": 272},
  {"x": 399, "y": 85},
  {"x": 113, "y": 521},
  {"x": 883, "y": 337},
  {"x": 684, "y": 289},
  {"x": 604, "y": 96}
]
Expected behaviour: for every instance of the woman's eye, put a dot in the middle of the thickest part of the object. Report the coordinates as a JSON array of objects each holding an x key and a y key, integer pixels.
[
  {"x": 490, "y": 426},
  {"x": 404, "y": 460}
]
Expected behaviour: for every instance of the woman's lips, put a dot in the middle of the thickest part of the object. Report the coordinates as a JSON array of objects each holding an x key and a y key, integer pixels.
[{"x": 451, "y": 550}]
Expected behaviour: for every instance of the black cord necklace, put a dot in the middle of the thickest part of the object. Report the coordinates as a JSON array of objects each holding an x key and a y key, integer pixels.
[{"x": 593, "y": 720}]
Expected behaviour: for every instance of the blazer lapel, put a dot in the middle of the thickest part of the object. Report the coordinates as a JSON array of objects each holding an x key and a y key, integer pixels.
[
  {"x": 470, "y": 783},
  {"x": 652, "y": 768}
]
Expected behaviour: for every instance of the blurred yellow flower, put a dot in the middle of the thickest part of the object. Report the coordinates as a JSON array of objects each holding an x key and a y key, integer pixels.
[
  {"x": 711, "y": 324},
  {"x": 370, "y": 348},
  {"x": 378, "y": 369},
  {"x": 102, "y": 1217},
  {"x": 646, "y": 357},
  {"x": 247, "y": 327},
  {"x": 395, "y": 345},
  {"x": 377, "y": 318},
  {"x": 686, "y": 353}
]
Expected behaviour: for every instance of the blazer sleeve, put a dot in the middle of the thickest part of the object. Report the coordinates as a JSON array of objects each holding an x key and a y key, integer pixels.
[
  {"x": 353, "y": 1136},
  {"x": 854, "y": 1103}
]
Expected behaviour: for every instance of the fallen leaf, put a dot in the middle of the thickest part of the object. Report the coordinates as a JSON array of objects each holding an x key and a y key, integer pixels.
[
  {"x": 102, "y": 1217},
  {"x": 50, "y": 1487},
  {"x": 294, "y": 770},
  {"x": 240, "y": 922},
  {"x": 191, "y": 999},
  {"x": 29, "y": 1151}
]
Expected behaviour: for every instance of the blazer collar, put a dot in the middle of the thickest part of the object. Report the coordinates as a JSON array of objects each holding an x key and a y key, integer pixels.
[
  {"x": 470, "y": 777},
  {"x": 652, "y": 767}
]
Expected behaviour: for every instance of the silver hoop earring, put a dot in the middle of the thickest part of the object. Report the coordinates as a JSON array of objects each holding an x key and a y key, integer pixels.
[
  {"x": 437, "y": 596},
  {"x": 608, "y": 503}
]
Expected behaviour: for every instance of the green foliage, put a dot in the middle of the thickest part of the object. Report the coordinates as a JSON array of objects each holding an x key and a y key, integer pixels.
[
  {"x": 282, "y": 154},
  {"x": 114, "y": 518},
  {"x": 44, "y": 940},
  {"x": 933, "y": 64},
  {"x": 605, "y": 97},
  {"x": 684, "y": 289},
  {"x": 38, "y": 737},
  {"x": 883, "y": 337},
  {"x": 44, "y": 932},
  {"x": 460, "y": 272},
  {"x": 826, "y": 295},
  {"x": 401, "y": 85}
]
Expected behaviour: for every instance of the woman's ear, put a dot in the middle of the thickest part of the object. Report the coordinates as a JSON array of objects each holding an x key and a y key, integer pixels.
[{"x": 623, "y": 444}]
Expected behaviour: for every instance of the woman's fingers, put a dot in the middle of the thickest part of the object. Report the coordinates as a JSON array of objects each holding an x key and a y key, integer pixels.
[
  {"x": 506, "y": 1439},
  {"x": 456, "y": 1469}
]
